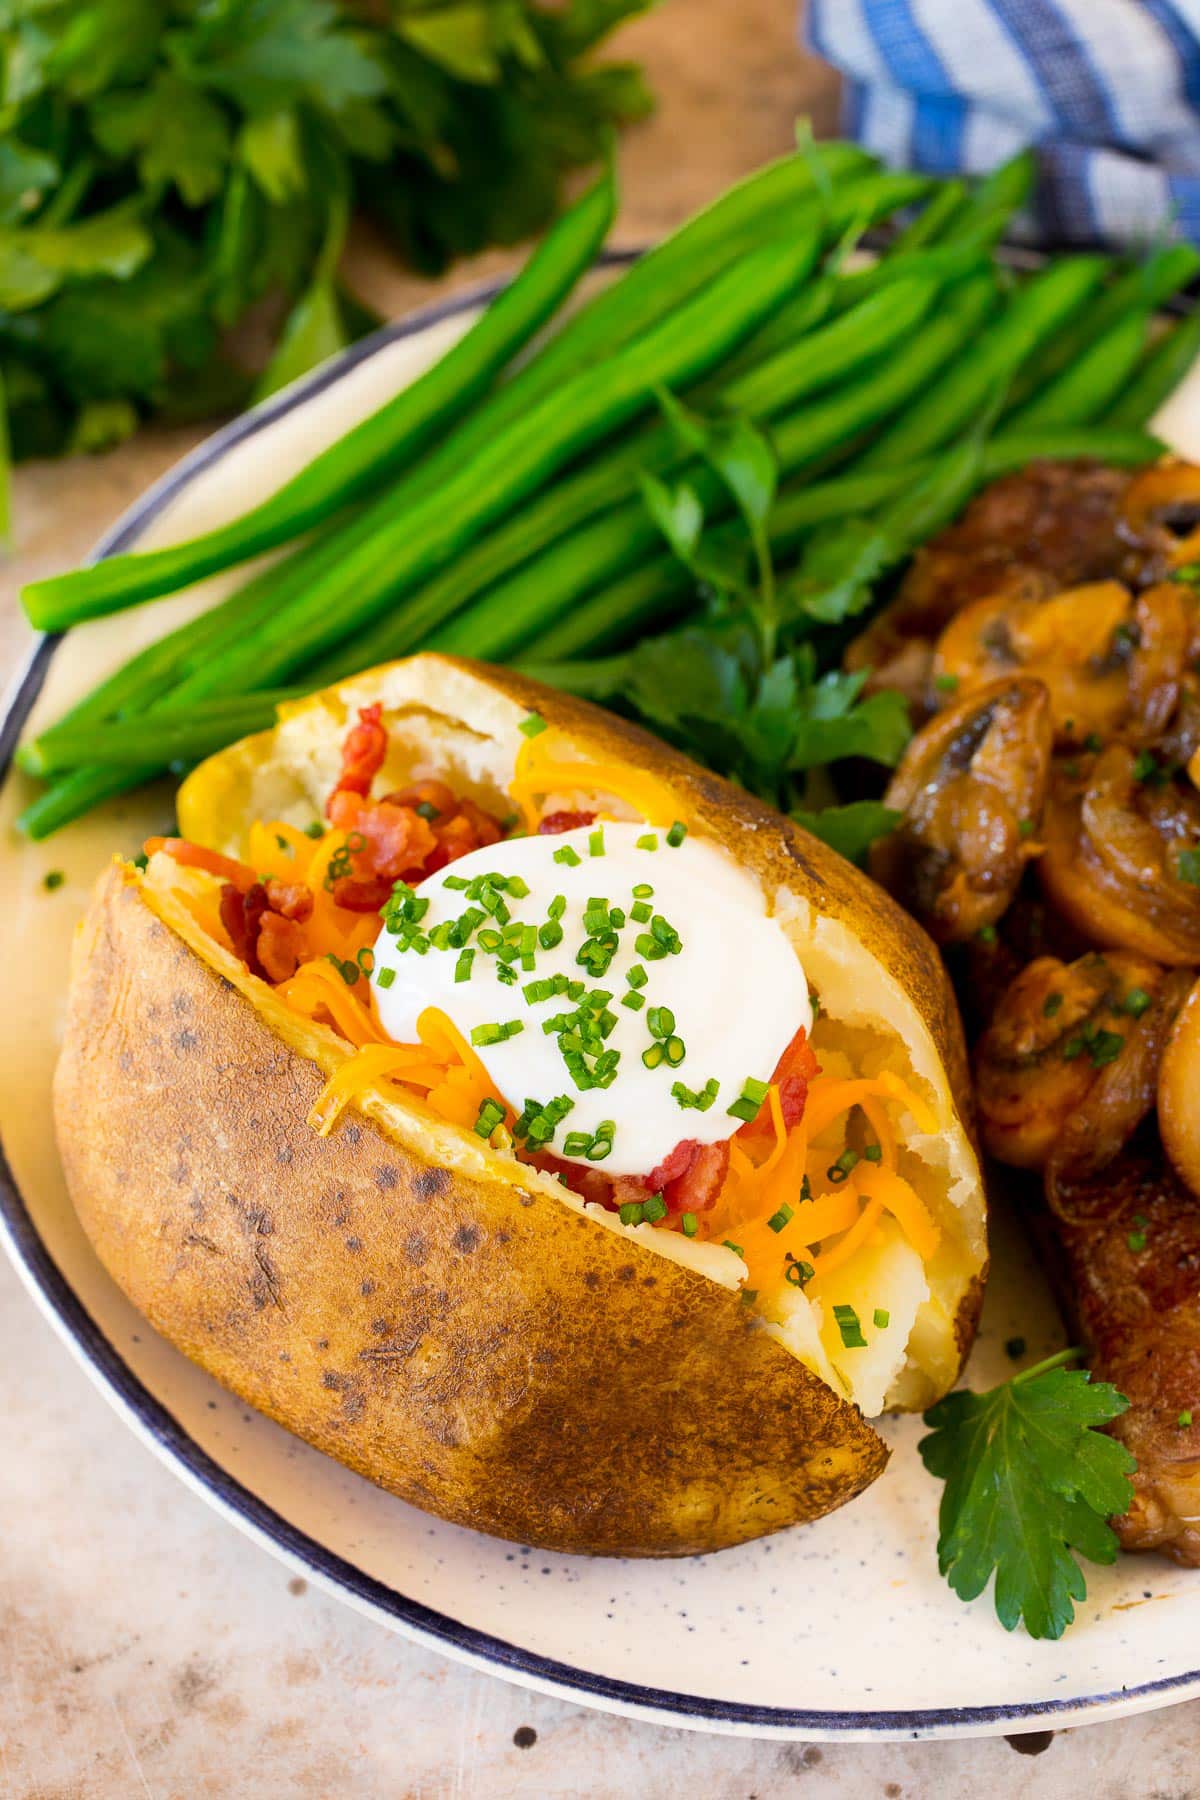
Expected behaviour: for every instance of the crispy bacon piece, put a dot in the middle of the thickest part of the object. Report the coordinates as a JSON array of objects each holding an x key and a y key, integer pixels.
[
  {"x": 793, "y": 1072},
  {"x": 240, "y": 915},
  {"x": 279, "y": 947},
  {"x": 556, "y": 822},
  {"x": 362, "y": 755},
  {"x": 290, "y": 899}
]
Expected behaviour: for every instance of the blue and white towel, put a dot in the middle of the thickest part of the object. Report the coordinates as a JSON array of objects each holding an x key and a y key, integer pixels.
[{"x": 1107, "y": 90}]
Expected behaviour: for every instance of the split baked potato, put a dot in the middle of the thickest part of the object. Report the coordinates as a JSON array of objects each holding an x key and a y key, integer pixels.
[{"x": 366, "y": 1249}]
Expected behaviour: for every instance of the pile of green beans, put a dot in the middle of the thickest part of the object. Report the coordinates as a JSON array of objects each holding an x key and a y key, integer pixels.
[{"x": 493, "y": 507}]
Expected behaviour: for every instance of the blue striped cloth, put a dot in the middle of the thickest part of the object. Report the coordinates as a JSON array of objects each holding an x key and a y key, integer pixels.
[{"x": 1108, "y": 91}]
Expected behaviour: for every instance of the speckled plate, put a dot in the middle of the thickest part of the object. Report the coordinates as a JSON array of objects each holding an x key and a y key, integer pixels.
[{"x": 841, "y": 1629}]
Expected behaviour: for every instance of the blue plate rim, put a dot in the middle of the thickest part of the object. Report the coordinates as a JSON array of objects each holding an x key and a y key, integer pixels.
[{"x": 155, "y": 1423}]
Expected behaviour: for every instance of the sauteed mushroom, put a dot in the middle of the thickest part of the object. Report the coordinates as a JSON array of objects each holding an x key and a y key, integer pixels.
[
  {"x": 1062, "y": 1031},
  {"x": 1179, "y": 1092},
  {"x": 1122, "y": 854},
  {"x": 971, "y": 786}
]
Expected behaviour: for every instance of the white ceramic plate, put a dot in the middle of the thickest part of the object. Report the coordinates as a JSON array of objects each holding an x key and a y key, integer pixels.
[{"x": 841, "y": 1629}]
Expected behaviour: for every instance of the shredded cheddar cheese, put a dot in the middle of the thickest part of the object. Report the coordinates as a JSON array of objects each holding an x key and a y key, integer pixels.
[{"x": 541, "y": 769}]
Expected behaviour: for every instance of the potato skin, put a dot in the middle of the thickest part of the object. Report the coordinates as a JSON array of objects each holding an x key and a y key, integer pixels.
[{"x": 487, "y": 1354}]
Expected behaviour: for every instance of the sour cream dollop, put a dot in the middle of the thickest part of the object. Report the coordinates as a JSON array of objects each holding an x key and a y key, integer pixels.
[{"x": 735, "y": 987}]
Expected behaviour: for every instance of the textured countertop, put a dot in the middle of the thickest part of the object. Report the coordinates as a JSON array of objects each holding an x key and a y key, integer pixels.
[{"x": 146, "y": 1646}]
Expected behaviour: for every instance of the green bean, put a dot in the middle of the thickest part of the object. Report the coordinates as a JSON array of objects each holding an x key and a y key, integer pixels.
[
  {"x": 154, "y": 670},
  {"x": 994, "y": 200},
  {"x": 367, "y": 455},
  {"x": 615, "y": 541},
  {"x": 205, "y": 727},
  {"x": 932, "y": 220},
  {"x": 1087, "y": 388},
  {"x": 77, "y": 793},
  {"x": 692, "y": 255},
  {"x": 816, "y": 362},
  {"x": 1139, "y": 289},
  {"x": 515, "y": 465},
  {"x": 1034, "y": 312},
  {"x": 1164, "y": 365},
  {"x": 658, "y": 590}
]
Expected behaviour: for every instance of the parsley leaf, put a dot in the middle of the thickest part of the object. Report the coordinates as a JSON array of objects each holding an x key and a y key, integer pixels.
[
  {"x": 850, "y": 829},
  {"x": 1030, "y": 1482}
]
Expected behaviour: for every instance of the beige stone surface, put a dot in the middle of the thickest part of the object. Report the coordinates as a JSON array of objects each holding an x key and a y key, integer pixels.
[{"x": 146, "y": 1647}]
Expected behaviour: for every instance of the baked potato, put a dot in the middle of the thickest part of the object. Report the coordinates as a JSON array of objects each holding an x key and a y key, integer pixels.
[{"x": 494, "y": 1317}]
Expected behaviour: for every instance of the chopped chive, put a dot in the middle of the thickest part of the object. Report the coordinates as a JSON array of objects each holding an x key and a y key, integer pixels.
[
  {"x": 1136, "y": 1241},
  {"x": 1051, "y": 1004},
  {"x": 677, "y": 834},
  {"x": 690, "y": 1224},
  {"x": 640, "y": 912},
  {"x": 798, "y": 1272},
  {"x": 1185, "y": 1419},
  {"x": 385, "y": 978},
  {"x": 550, "y": 935},
  {"x": 1136, "y": 1002},
  {"x": 632, "y": 1212},
  {"x": 660, "y": 1021},
  {"x": 314, "y": 829},
  {"x": 462, "y": 968},
  {"x": 873, "y": 1153},
  {"x": 654, "y": 1208},
  {"x": 596, "y": 842},
  {"x": 700, "y": 1099},
  {"x": 748, "y": 1103},
  {"x": 675, "y": 1051},
  {"x": 849, "y": 1326},
  {"x": 643, "y": 891},
  {"x": 493, "y": 1033},
  {"x": 839, "y": 1170},
  {"x": 633, "y": 1000},
  {"x": 557, "y": 906},
  {"x": 946, "y": 683},
  {"x": 532, "y": 726},
  {"x": 728, "y": 1244},
  {"x": 637, "y": 976},
  {"x": 490, "y": 1115},
  {"x": 779, "y": 1219},
  {"x": 648, "y": 842},
  {"x": 427, "y": 811},
  {"x": 568, "y": 854},
  {"x": 883, "y": 1318},
  {"x": 653, "y": 1055}
]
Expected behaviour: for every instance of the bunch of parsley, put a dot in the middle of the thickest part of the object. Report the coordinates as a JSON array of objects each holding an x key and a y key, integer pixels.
[{"x": 165, "y": 165}]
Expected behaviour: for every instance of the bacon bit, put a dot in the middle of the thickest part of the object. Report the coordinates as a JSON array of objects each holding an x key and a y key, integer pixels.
[
  {"x": 362, "y": 894},
  {"x": 280, "y": 946},
  {"x": 590, "y": 1184},
  {"x": 434, "y": 794},
  {"x": 290, "y": 899},
  {"x": 557, "y": 822},
  {"x": 195, "y": 856},
  {"x": 689, "y": 1179},
  {"x": 240, "y": 915},
  {"x": 362, "y": 756},
  {"x": 793, "y": 1072}
]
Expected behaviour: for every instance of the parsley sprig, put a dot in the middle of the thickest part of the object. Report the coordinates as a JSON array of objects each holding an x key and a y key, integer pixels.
[{"x": 1031, "y": 1482}]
